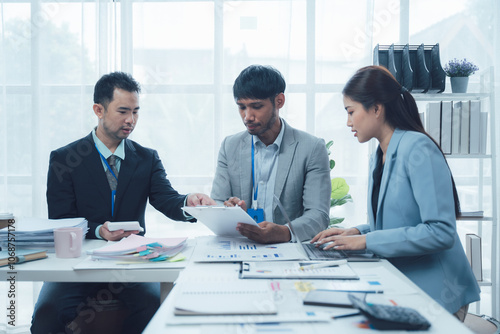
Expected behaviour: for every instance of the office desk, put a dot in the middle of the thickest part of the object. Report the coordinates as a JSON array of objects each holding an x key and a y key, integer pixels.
[
  {"x": 397, "y": 288},
  {"x": 55, "y": 269}
]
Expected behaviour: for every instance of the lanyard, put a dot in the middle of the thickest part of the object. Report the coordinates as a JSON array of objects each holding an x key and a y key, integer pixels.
[
  {"x": 255, "y": 185},
  {"x": 254, "y": 212},
  {"x": 113, "y": 192}
]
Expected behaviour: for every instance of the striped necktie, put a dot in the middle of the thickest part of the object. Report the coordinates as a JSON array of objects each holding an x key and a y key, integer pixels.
[{"x": 113, "y": 182}]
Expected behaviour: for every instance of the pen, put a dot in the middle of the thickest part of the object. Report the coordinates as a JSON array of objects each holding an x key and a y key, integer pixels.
[
  {"x": 324, "y": 264},
  {"x": 363, "y": 291},
  {"x": 346, "y": 315}
]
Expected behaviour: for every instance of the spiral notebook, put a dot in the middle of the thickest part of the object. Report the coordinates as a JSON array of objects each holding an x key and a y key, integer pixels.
[{"x": 224, "y": 298}]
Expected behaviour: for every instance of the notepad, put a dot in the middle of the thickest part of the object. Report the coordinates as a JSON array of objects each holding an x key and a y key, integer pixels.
[
  {"x": 291, "y": 269},
  {"x": 224, "y": 298}
]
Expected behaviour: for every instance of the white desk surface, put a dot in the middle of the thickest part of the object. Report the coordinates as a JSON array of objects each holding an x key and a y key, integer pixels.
[
  {"x": 405, "y": 292},
  {"x": 397, "y": 287},
  {"x": 55, "y": 269}
]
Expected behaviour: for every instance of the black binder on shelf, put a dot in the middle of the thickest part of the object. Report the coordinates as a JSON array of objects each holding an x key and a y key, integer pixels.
[
  {"x": 421, "y": 75},
  {"x": 438, "y": 76},
  {"x": 416, "y": 67},
  {"x": 403, "y": 66},
  {"x": 383, "y": 55},
  {"x": 396, "y": 58}
]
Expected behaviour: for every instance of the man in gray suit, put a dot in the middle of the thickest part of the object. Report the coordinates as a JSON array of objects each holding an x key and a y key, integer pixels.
[{"x": 272, "y": 160}]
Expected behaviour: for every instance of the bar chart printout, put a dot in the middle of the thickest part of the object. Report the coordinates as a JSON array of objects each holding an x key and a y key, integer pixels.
[{"x": 224, "y": 249}]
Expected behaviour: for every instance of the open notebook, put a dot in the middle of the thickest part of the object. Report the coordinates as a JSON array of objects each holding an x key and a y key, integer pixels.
[{"x": 225, "y": 298}]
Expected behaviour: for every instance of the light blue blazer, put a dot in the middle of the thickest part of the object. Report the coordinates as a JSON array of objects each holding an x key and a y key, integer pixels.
[
  {"x": 302, "y": 178},
  {"x": 416, "y": 226}
]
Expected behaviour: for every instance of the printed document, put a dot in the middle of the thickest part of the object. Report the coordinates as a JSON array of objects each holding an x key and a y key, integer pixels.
[
  {"x": 293, "y": 270},
  {"x": 223, "y": 249},
  {"x": 222, "y": 220}
]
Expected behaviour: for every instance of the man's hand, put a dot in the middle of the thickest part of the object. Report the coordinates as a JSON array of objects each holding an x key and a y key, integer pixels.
[
  {"x": 341, "y": 239},
  {"x": 266, "y": 233},
  {"x": 233, "y": 201},
  {"x": 199, "y": 199},
  {"x": 114, "y": 235}
]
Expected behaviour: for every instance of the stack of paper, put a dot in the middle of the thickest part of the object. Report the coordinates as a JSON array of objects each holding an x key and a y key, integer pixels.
[
  {"x": 139, "y": 248},
  {"x": 37, "y": 233}
]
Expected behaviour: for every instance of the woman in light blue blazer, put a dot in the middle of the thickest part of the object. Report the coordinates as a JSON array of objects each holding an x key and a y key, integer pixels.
[{"x": 412, "y": 199}]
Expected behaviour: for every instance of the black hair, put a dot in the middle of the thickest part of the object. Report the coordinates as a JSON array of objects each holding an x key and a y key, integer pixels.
[
  {"x": 259, "y": 82},
  {"x": 106, "y": 85},
  {"x": 373, "y": 85}
]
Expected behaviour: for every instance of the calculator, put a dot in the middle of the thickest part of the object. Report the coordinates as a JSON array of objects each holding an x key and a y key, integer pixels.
[{"x": 390, "y": 317}]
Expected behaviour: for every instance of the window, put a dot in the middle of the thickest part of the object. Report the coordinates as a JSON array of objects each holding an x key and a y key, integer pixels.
[{"x": 186, "y": 55}]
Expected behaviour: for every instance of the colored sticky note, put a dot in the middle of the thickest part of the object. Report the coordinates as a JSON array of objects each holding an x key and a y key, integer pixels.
[{"x": 178, "y": 257}]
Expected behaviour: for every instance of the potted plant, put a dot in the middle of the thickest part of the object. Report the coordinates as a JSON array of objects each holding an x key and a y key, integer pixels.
[
  {"x": 459, "y": 72},
  {"x": 340, "y": 191}
]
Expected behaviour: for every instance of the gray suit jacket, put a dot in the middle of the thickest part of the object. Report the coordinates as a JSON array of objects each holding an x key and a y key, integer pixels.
[{"x": 302, "y": 180}]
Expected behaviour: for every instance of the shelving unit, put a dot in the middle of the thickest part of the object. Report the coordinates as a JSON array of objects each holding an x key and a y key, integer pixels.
[{"x": 485, "y": 94}]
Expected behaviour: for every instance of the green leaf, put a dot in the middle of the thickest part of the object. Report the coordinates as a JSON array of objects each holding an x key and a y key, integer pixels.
[
  {"x": 341, "y": 201},
  {"x": 332, "y": 164},
  {"x": 329, "y": 144},
  {"x": 339, "y": 188},
  {"x": 335, "y": 221}
]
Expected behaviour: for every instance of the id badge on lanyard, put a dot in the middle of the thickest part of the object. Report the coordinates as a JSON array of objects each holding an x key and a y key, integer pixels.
[{"x": 255, "y": 212}]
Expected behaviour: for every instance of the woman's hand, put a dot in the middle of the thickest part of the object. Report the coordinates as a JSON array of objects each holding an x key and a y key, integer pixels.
[
  {"x": 333, "y": 231},
  {"x": 348, "y": 242},
  {"x": 342, "y": 239}
]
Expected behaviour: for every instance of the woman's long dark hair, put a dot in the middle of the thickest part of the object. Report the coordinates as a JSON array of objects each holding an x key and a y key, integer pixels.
[{"x": 372, "y": 85}]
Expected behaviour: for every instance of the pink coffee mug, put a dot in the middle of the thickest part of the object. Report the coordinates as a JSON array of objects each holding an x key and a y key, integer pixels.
[{"x": 68, "y": 242}]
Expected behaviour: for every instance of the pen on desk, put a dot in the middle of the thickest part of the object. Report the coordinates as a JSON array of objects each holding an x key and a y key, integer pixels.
[
  {"x": 363, "y": 291},
  {"x": 324, "y": 264},
  {"x": 346, "y": 315}
]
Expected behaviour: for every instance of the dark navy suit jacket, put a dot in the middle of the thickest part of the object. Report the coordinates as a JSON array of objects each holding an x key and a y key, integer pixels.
[{"x": 77, "y": 185}]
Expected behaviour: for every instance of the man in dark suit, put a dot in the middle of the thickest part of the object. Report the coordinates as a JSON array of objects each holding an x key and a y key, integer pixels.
[{"x": 105, "y": 177}]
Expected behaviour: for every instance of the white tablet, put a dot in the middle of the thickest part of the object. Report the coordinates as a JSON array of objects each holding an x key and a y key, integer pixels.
[
  {"x": 222, "y": 220},
  {"x": 126, "y": 226}
]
